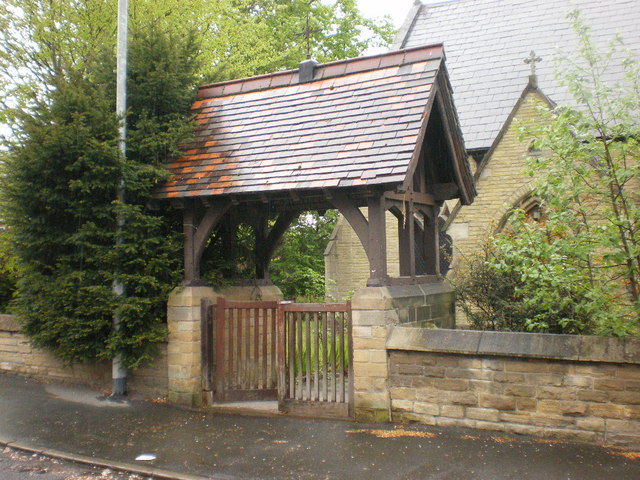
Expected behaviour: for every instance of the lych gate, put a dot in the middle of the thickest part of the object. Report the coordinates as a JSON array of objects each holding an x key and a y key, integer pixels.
[{"x": 363, "y": 136}]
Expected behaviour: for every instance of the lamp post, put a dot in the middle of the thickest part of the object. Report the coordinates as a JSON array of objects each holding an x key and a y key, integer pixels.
[{"x": 118, "y": 371}]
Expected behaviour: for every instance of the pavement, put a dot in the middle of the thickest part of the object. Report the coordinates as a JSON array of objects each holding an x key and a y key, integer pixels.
[{"x": 84, "y": 426}]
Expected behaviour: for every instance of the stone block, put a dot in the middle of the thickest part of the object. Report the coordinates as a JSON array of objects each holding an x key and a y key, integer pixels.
[
  {"x": 632, "y": 411},
  {"x": 452, "y": 411},
  {"x": 556, "y": 393},
  {"x": 371, "y": 400},
  {"x": 632, "y": 386},
  {"x": 368, "y": 343},
  {"x": 623, "y": 440},
  {"x": 433, "y": 372},
  {"x": 464, "y": 373},
  {"x": 377, "y": 356},
  {"x": 470, "y": 363},
  {"x": 581, "y": 381},
  {"x": 426, "y": 408},
  {"x": 404, "y": 369},
  {"x": 406, "y": 405},
  {"x": 631, "y": 372},
  {"x": 609, "y": 384},
  {"x": 422, "y": 382},
  {"x": 433, "y": 340},
  {"x": 504, "y": 377},
  {"x": 403, "y": 393},
  {"x": 369, "y": 317},
  {"x": 534, "y": 366},
  {"x": 519, "y": 390},
  {"x": 416, "y": 417},
  {"x": 451, "y": 384},
  {"x": 486, "y": 414},
  {"x": 552, "y": 379},
  {"x": 606, "y": 410},
  {"x": 593, "y": 424},
  {"x": 462, "y": 398},
  {"x": 526, "y": 404},
  {"x": 498, "y": 402},
  {"x": 364, "y": 332},
  {"x": 370, "y": 370},
  {"x": 361, "y": 355},
  {"x": 493, "y": 364},
  {"x": 455, "y": 422},
  {"x": 602, "y": 349},
  {"x": 592, "y": 396},
  {"x": 562, "y": 407},
  {"x": 625, "y": 398}
]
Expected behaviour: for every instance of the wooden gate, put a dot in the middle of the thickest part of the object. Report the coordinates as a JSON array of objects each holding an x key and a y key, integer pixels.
[
  {"x": 315, "y": 359},
  {"x": 299, "y": 353},
  {"x": 245, "y": 351}
]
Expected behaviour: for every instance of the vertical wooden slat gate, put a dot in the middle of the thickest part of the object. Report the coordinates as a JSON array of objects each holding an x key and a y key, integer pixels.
[
  {"x": 245, "y": 351},
  {"x": 301, "y": 353},
  {"x": 315, "y": 360}
]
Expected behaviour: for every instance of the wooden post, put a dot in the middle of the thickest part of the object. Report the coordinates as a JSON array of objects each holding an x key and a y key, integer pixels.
[
  {"x": 377, "y": 238},
  {"x": 220, "y": 344},
  {"x": 432, "y": 243},
  {"x": 191, "y": 267},
  {"x": 281, "y": 358},
  {"x": 206, "y": 343},
  {"x": 410, "y": 220},
  {"x": 404, "y": 246}
]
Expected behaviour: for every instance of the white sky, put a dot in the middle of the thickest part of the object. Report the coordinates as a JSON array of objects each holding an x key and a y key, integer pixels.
[{"x": 396, "y": 9}]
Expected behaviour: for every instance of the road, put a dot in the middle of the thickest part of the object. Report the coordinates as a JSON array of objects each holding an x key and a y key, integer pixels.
[{"x": 19, "y": 465}]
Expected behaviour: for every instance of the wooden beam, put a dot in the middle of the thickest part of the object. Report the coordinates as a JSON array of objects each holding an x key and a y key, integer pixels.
[
  {"x": 354, "y": 216},
  {"x": 191, "y": 270},
  {"x": 197, "y": 234},
  {"x": 417, "y": 197},
  {"x": 432, "y": 244},
  {"x": 403, "y": 246},
  {"x": 377, "y": 238},
  {"x": 411, "y": 226},
  {"x": 211, "y": 217}
]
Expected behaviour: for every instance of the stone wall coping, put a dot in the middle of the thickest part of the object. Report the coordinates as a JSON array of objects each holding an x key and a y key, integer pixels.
[
  {"x": 516, "y": 344},
  {"x": 391, "y": 297},
  {"x": 9, "y": 323}
]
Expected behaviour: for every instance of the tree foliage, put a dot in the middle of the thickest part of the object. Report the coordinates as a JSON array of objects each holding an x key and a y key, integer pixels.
[
  {"x": 298, "y": 265},
  {"x": 61, "y": 165},
  {"x": 578, "y": 271}
]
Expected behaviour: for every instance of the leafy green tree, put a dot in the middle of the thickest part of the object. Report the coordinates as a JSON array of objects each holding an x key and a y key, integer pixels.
[
  {"x": 578, "y": 271},
  {"x": 61, "y": 179},
  {"x": 298, "y": 265}
]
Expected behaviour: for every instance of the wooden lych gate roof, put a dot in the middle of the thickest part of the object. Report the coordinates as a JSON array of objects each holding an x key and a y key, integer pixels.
[{"x": 353, "y": 124}]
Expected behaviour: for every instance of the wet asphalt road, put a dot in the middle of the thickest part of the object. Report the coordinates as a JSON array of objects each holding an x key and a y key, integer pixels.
[
  {"x": 19, "y": 465},
  {"x": 236, "y": 447}
]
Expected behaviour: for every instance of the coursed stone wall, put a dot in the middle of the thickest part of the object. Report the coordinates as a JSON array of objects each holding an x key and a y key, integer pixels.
[
  {"x": 554, "y": 386},
  {"x": 18, "y": 357}
]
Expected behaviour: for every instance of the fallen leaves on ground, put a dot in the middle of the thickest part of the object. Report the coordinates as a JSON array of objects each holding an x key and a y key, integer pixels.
[{"x": 394, "y": 433}]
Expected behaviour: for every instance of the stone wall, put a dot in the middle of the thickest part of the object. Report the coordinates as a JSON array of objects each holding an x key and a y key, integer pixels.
[
  {"x": 375, "y": 311},
  {"x": 17, "y": 356},
  {"x": 555, "y": 386}
]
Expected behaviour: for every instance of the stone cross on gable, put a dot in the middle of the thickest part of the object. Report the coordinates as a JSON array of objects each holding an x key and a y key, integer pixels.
[
  {"x": 532, "y": 59},
  {"x": 307, "y": 32}
]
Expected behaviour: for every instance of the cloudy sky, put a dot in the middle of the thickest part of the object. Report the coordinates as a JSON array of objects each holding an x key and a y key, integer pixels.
[{"x": 396, "y": 9}]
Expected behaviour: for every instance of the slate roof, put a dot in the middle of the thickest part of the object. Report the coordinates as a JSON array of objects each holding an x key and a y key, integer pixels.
[
  {"x": 487, "y": 40},
  {"x": 356, "y": 124}
]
